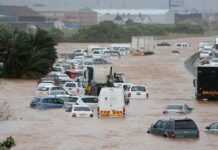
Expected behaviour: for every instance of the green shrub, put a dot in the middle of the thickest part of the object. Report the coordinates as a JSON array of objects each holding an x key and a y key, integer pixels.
[{"x": 7, "y": 144}]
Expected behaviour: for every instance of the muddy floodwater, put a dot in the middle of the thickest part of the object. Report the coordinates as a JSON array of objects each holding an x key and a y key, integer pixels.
[{"x": 168, "y": 83}]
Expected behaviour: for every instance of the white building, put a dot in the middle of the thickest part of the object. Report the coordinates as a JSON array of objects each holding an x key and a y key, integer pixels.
[{"x": 145, "y": 16}]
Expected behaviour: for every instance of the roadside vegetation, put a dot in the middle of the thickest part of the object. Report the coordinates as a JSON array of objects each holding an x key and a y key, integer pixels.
[
  {"x": 7, "y": 144},
  {"x": 109, "y": 32},
  {"x": 26, "y": 54}
]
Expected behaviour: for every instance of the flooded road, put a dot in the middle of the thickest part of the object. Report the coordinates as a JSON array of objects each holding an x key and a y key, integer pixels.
[{"x": 168, "y": 83}]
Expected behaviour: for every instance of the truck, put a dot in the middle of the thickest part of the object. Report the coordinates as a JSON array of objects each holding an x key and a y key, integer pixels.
[
  {"x": 99, "y": 77},
  {"x": 206, "y": 82},
  {"x": 142, "y": 43},
  {"x": 111, "y": 103}
]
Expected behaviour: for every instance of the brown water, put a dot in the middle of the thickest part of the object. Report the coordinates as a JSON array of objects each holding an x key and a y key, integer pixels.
[{"x": 168, "y": 82}]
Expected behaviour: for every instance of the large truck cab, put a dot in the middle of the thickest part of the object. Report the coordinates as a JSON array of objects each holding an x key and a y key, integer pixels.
[{"x": 206, "y": 82}]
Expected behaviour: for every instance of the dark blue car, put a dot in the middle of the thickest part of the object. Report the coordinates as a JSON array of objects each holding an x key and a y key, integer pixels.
[{"x": 47, "y": 103}]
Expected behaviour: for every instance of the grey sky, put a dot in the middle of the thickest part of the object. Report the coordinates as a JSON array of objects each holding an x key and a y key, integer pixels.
[{"x": 211, "y": 5}]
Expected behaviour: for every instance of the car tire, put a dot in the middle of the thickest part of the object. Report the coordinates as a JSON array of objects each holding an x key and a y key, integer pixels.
[
  {"x": 91, "y": 115},
  {"x": 148, "y": 131}
]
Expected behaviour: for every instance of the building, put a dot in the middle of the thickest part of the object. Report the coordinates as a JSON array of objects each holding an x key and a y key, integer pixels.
[
  {"x": 83, "y": 17},
  {"x": 144, "y": 16},
  {"x": 19, "y": 14},
  {"x": 22, "y": 16}
]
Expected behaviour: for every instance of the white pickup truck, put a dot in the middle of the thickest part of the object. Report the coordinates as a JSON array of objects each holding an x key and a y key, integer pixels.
[{"x": 111, "y": 103}]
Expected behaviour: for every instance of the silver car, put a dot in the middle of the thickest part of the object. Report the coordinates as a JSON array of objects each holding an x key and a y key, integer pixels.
[
  {"x": 212, "y": 128},
  {"x": 178, "y": 109}
]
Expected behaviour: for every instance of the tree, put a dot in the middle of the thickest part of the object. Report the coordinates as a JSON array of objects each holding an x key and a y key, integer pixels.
[
  {"x": 57, "y": 34},
  {"x": 26, "y": 55}
]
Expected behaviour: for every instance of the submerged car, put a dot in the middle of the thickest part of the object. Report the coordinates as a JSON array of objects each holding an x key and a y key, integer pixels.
[
  {"x": 173, "y": 128},
  {"x": 74, "y": 88},
  {"x": 70, "y": 102},
  {"x": 178, "y": 108},
  {"x": 50, "y": 102},
  {"x": 81, "y": 111},
  {"x": 138, "y": 92},
  {"x": 212, "y": 128}
]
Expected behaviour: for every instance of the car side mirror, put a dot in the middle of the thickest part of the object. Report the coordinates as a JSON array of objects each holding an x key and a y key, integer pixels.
[
  {"x": 194, "y": 82},
  {"x": 154, "y": 126},
  {"x": 208, "y": 127}
]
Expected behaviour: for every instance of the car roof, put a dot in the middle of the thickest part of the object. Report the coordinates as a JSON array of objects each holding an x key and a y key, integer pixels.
[
  {"x": 87, "y": 96},
  {"x": 176, "y": 104}
]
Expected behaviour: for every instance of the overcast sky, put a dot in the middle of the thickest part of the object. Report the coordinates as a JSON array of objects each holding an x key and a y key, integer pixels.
[{"x": 211, "y": 5}]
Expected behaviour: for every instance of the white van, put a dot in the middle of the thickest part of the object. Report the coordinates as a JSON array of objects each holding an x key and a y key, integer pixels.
[{"x": 111, "y": 103}]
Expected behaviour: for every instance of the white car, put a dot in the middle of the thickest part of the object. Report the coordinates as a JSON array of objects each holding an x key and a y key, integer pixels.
[
  {"x": 183, "y": 45},
  {"x": 97, "y": 54},
  {"x": 81, "y": 111},
  {"x": 74, "y": 88},
  {"x": 178, "y": 109},
  {"x": 91, "y": 101},
  {"x": 138, "y": 92},
  {"x": 43, "y": 89}
]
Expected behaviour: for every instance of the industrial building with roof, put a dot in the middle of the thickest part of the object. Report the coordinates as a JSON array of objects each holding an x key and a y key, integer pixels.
[
  {"x": 22, "y": 17},
  {"x": 19, "y": 14},
  {"x": 144, "y": 16}
]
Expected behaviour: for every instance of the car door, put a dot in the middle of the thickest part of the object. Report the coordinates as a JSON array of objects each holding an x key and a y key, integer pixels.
[
  {"x": 156, "y": 129},
  {"x": 57, "y": 103},
  {"x": 46, "y": 103}
]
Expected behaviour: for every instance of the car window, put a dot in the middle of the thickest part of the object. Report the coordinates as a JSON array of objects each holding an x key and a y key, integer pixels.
[
  {"x": 70, "y": 99},
  {"x": 43, "y": 89},
  {"x": 70, "y": 85},
  {"x": 214, "y": 126},
  {"x": 96, "y": 52},
  {"x": 81, "y": 109},
  {"x": 36, "y": 99},
  {"x": 185, "y": 124},
  {"x": 58, "y": 101},
  {"x": 177, "y": 107},
  {"x": 56, "y": 88},
  {"x": 58, "y": 92},
  {"x": 138, "y": 88},
  {"x": 90, "y": 100},
  {"x": 158, "y": 124}
]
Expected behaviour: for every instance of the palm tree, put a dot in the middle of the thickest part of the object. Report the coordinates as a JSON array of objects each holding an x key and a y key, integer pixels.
[{"x": 27, "y": 55}]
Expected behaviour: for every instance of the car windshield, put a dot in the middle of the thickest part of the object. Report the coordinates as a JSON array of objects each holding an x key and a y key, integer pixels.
[
  {"x": 88, "y": 63},
  {"x": 43, "y": 89},
  {"x": 138, "y": 88},
  {"x": 70, "y": 85},
  {"x": 57, "y": 69},
  {"x": 177, "y": 107},
  {"x": 81, "y": 109},
  {"x": 90, "y": 100},
  {"x": 57, "y": 88},
  {"x": 70, "y": 99},
  {"x": 96, "y": 52},
  {"x": 58, "y": 92},
  {"x": 185, "y": 124}
]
